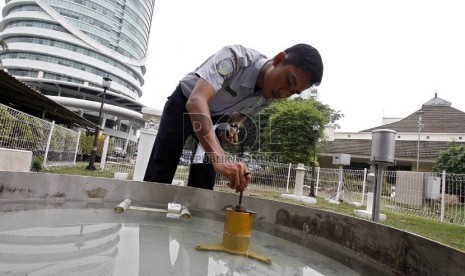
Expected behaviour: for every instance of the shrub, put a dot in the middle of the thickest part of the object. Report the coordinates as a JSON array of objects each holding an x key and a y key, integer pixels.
[{"x": 37, "y": 163}]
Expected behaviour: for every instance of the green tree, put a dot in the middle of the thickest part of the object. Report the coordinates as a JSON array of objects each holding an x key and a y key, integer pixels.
[
  {"x": 288, "y": 130},
  {"x": 85, "y": 143},
  {"x": 6, "y": 126},
  {"x": 453, "y": 161},
  {"x": 3, "y": 46}
]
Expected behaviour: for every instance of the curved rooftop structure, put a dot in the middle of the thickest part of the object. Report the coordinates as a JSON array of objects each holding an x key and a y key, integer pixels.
[
  {"x": 63, "y": 48},
  {"x": 421, "y": 136},
  {"x": 437, "y": 115}
]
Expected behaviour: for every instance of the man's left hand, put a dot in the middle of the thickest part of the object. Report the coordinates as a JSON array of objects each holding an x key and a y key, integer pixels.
[{"x": 231, "y": 135}]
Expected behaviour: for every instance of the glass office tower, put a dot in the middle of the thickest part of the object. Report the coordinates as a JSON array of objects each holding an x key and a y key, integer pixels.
[{"x": 63, "y": 48}]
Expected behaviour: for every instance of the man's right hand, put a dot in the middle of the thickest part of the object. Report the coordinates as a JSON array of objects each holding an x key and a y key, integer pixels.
[{"x": 237, "y": 174}]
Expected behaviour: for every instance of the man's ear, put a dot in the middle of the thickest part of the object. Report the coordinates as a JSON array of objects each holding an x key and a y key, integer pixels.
[{"x": 280, "y": 57}]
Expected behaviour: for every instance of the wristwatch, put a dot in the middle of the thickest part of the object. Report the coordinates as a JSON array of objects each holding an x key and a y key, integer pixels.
[{"x": 234, "y": 125}]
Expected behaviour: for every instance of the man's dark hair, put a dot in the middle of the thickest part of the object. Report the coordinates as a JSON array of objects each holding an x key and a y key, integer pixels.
[{"x": 307, "y": 58}]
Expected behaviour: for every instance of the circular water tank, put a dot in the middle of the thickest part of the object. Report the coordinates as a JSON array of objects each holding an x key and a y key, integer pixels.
[{"x": 383, "y": 146}]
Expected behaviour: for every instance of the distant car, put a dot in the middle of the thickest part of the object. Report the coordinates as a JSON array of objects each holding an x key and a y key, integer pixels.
[
  {"x": 251, "y": 162},
  {"x": 254, "y": 166},
  {"x": 134, "y": 155},
  {"x": 119, "y": 152},
  {"x": 184, "y": 161},
  {"x": 186, "y": 153}
]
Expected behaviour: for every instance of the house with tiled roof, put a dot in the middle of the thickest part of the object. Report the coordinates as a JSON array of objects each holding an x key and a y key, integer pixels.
[{"x": 420, "y": 137}]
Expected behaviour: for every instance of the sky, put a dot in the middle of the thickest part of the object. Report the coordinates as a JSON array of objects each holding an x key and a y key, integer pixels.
[{"x": 381, "y": 57}]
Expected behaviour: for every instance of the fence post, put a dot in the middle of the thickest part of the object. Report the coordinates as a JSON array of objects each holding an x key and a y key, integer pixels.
[
  {"x": 317, "y": 180},
  {"x": 103, "y": 158},
  {"x": 47, "y": 148},
  {"x": 288, "y": 176},
  {"x": 77, "y": 147},
  {"x": 299, "y": 179},
  {"x": 340, "y": 191},
  {"x": 443, "y": 195},
  {"x": 363, "y": 186}
]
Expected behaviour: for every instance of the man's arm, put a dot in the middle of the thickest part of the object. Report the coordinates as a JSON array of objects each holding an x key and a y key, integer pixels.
[{"x": 199, "y": 113}]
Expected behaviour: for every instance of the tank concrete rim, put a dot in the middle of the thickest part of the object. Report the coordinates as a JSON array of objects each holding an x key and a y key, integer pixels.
[{"x": 362, "y": 245}]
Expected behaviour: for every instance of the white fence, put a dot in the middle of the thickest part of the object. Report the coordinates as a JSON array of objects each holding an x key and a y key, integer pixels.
[
  {"x": 120, "y": 156},
  {"x": 414, "y": 193},
  {"x": 50, "y": 144},
  {"x": 438, "y": 196},
  {"x": 354, "y": 184},
  {"x": 54, "y": 145}
]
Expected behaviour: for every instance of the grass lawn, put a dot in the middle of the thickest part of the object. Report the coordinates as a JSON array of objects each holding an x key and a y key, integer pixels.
[
  {"x": 80, "y": 169},
  {"x": 445, "y": 233},
  {"x": 448, "y": 234}
]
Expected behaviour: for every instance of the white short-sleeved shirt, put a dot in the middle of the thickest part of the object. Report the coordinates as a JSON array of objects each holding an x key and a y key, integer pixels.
[{"x": 232, "y": 72}]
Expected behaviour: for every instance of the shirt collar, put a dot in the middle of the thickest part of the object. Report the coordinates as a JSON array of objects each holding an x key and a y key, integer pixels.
[{"x": 251, "y": 78}]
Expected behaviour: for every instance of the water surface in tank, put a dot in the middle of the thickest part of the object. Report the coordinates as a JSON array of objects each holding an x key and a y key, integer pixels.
[{"x": 88, "y": 238}]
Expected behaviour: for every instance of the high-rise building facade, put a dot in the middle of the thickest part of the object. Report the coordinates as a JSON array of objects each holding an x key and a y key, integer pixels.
[
  {"x": 63, "y": 48},
  {"x": 310, "y": 93}
]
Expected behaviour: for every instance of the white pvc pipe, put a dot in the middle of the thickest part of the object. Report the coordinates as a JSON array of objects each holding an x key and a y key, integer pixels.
[
  {"x": 123, "y": 206},
  {"x": 173, "y": 210}
]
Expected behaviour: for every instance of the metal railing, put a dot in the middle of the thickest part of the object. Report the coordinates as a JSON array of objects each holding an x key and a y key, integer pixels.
[
  {"x": 62, "y": 146},
  {"x": 353, "y": 185},
  {"x": 414, "y": 193},
  {"x": 119, "y": 156},
  {"x": 267, "y": 176},
  {"x": 438, "y": 196}
]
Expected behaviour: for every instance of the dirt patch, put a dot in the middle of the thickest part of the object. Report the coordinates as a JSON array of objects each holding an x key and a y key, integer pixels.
[{"x": 97, "y": 193}]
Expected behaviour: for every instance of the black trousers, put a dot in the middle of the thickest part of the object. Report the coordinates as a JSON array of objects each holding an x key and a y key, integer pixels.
[{"x": 175, "y": 127}]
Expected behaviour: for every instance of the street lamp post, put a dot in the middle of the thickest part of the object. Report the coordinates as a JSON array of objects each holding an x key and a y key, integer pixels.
[
  {"x": 420, "y": 127},
  {"x": 106, "y": 82},
  {"x": 316, "y": 127}
]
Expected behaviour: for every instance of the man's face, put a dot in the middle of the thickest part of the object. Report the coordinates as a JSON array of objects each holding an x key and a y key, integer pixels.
[{"x": 282, "y": 81}]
